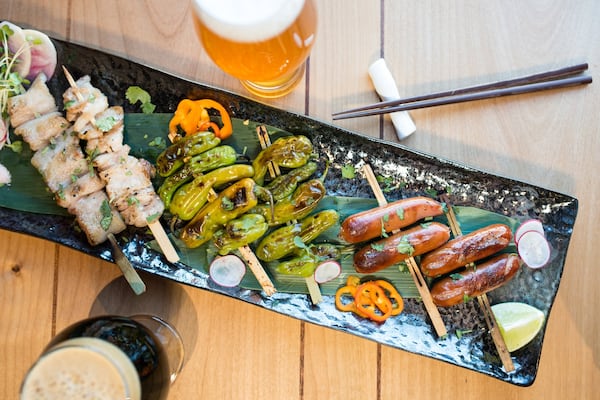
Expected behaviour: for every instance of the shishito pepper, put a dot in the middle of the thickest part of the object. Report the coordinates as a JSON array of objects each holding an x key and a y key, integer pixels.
[
  {"x": 174, "y": 156},
  {"x": 191, "y": 116},
  {"x": 216, "y": 157},
  {"x": 284, "y": 185},
  {"x": 286, "y": 152},
  {"x": 191, "y": 197},
  {"x": 240, "y": 232},
  {"x": 231, "y": 203},
  {"x": 303, "y": 201},
  {"x": 280, "y": 242}
]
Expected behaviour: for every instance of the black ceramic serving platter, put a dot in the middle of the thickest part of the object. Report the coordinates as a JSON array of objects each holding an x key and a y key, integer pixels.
[{"x": 411, "y": 173}]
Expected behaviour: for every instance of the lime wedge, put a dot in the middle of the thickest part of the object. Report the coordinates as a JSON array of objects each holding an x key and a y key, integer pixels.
[{"x": 519, "y": 323}]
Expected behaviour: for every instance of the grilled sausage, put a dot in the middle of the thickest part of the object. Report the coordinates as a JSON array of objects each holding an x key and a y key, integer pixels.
[
  {"x": 473, "y": 282},
  {"x": 400, "y": 246},
  {"x": 369, "y": 224},
  {"x": 466, "y": 249}
]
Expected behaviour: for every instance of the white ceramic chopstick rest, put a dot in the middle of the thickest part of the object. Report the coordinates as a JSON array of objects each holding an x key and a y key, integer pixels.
[{"x": 386, "y": 88}]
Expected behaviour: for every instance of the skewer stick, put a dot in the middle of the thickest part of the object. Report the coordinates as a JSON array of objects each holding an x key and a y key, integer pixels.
[
  {"x": 483, "y": 301},
  {"x": 157, "y": 229},
  {"x": 130, "y": 274},
  {"x": 415, "y": 271},
  {"x": 265, "y": 141}
]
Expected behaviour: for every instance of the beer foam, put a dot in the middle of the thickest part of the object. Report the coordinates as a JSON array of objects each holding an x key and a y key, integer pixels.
[
  {"x": 83, "y": 368},
  {"x": 248, "y": 21}
]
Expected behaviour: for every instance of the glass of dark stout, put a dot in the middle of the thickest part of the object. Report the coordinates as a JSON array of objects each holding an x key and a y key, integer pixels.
[{"x": 108, "y": 357}]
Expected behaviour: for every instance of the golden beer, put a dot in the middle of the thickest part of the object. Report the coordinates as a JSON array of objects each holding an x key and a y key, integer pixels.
[{"x": 264, "y": 43}]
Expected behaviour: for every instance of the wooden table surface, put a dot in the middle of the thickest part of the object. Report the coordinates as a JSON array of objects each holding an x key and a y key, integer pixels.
[{"x": 240, "y": 351}]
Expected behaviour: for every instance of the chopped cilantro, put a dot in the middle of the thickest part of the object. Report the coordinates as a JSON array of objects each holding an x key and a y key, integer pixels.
[
  {"x": 152, "y": 217},
  {"x": 159, "y": 142},
  {"x": 106, "y": 215},
  {"x": 348, "y": 171},
  {"x": 405, "y": 247},
  {"x": 16, "y": 146},
  {"x": 106, "y": 124},
  {"x": 227, "y": 204},
  {"x": 377, "y": 247},
  {"x": 460, "y": 333},
  {"x": 400, "y": 213},
  {"x": 135, "y": 94},
  {"x": 456, "y": 276}
]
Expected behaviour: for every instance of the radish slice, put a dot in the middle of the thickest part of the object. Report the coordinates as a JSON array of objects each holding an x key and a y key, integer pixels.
[
  {"x": 43, "y": 54},
  {"x": 529, "y": 225},
  {"x": 17, "y": 43},
  {"x": 534, "y": 249},
  {"x": 227, "y": 270},
  {"x": 327, "y": 271}
]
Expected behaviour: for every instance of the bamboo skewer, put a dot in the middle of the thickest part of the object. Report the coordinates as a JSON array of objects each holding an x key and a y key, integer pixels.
[
  {"x": 415, "y": 271},
  {"x": 131, "y": 276},
  {"x": 484, "y": 303},
  {"x": 265, "y": 141}
]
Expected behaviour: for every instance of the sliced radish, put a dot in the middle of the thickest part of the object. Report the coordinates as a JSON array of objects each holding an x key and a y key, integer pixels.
[
  {"x": 327, "y": 271},
  {"x": 529, "y": 225},
  {"x": 17, "y": 43},
  {"x": 227, "y": 270},
  {"x": 43, "y": 54},
  {"x": 534, "y": 249}
]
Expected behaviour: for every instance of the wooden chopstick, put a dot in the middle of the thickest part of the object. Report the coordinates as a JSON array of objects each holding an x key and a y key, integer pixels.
[
  {"x": 415, "y": 271},
  {"x": 483, "y": 301},
  {"x": 555, "y": 79}
]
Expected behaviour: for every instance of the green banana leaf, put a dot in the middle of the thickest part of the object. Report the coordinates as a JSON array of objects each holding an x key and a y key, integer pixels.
[{"x": 146, "y": 134}]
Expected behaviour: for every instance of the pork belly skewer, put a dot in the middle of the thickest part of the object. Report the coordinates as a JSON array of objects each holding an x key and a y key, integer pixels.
[
  {"x": 60, "y": 161},
  {"x": 128, "y": 179}
]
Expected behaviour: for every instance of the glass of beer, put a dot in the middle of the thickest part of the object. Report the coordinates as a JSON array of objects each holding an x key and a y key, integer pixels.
[
  {"x": 263, "y": 43},
  {"x": 107, "y": 357}
]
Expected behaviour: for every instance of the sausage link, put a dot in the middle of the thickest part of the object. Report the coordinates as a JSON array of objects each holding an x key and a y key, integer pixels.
[
  {"x": 369, "y": 224},
  {"x": 474, "y": 282},
  {"x": 400, "y": 246},
  {"x": 466, "y": 249}
]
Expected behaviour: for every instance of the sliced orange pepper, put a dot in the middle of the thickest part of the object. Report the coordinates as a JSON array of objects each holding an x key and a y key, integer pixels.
[
  {"x": 192, "y": 116},
  {"x": 375, "y": 304},
  {"x": 392, "y": 293}
]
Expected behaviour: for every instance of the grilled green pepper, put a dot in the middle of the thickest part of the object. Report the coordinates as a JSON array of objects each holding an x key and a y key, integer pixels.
[
  {"x": 240, "y": 232},
  {"x": 287, "y": 152},
  {"x": 232, "y": 202},
  {"x": 303, "y": 201},
  {"x": 191, "y": 197},
  {"x": 214, "y": 158},
  {"x": 303, "y": 265},
  {"x": 280, "y": 242},
  {"x": 173, "y": 157},
  {"x": 284, "y": 185}
]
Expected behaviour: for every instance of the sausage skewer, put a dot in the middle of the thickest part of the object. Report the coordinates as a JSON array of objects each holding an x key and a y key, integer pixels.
[
  {"x": 415, "y": 271},
  {"x": 484, "y": 303}
]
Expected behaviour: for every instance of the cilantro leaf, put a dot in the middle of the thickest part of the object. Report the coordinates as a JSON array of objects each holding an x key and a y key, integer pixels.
[
  {"x": 135, "y": 94},
  {"x": 348, "y": 171}
]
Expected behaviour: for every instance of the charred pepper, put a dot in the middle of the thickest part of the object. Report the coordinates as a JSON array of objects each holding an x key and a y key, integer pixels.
[
  {"x": 191, "y": 197},
  {"x": 303, "y": 201},
  {"x": 286, "y": 152},
  {"x": 240, "y": 232},
  {"x": 280, "y": 242},
  {"x": 231, "y": 203},
  {"x": 284, "y": 185},
  {"x": 214, "y": 158},
  {"x": 174, "y": 156}
]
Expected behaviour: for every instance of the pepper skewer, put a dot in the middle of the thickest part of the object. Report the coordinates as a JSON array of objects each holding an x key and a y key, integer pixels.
[
  {"x": 483, "y": 301},
  {"x": 265, "y": 141},
  {"x": 414, "y": 269}
]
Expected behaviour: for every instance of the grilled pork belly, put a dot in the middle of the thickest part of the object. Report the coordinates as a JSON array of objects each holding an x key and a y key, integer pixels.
[
  {"x": 96, "y": 217},
  {"x": 82, "y": 186},
  {"x": 83, "y": 103},
  {"x": 36, "y": 101},
  {"x": 39, "y": 131}
]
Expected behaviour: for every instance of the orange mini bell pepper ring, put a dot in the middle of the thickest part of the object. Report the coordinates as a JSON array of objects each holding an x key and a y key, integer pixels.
[
  {"x": 394, "y": 296},
  {"x": 370, "y": 299},
  {"x": 192, "y": 116}
]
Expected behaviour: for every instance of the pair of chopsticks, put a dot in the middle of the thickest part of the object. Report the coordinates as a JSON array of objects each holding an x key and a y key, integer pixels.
[{"x": 559, "y": 78}]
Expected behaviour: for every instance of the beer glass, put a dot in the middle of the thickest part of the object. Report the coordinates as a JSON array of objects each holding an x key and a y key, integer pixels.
[
  {"x": 263, "y": 43},
  {"x": 107, "y": 357}
]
